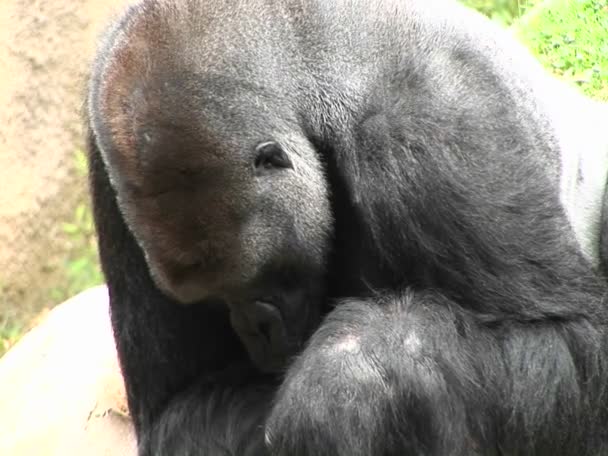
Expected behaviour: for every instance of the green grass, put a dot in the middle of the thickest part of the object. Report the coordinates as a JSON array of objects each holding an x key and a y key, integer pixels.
[
  {"x": 81, "y": 269},
  {"x": 502, "y": 11},
  {"x": 10, "y": 331},
  {"x": 571, "y": 38}
]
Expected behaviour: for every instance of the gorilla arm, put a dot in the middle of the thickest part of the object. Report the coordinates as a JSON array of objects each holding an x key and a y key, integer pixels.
[{"x": 416, "y": 374}]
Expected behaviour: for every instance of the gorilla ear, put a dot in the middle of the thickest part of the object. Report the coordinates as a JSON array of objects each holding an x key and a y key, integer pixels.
[{"x": 269, "y": 157}]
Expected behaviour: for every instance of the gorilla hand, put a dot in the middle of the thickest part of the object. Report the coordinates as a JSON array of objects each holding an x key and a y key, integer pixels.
[
  {"x": 262, "y": 330},
  {"x": 414, "y": 373}
]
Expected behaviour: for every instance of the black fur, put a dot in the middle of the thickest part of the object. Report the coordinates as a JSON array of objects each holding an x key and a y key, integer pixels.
[
  {"x": 467, "y": 321},
  {"x": 603, "y": 251}
]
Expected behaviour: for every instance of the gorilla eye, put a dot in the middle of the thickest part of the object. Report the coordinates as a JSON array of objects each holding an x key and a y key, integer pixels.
[{"x": 270, "y": 156}]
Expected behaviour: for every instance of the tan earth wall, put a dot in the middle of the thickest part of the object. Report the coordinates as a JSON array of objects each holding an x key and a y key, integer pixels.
[
  {"x": 61, "y": 390},
  {"x": 45, "y": 50}
]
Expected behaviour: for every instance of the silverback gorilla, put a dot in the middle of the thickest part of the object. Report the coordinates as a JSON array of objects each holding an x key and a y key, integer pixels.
[{"x": 384, "y": 227}]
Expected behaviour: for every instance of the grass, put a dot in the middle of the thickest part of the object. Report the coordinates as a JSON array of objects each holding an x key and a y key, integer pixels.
[
  {"x": 502, "y": 11},
  {"x": 10, "y": 331},
  {"x": 571, "y": 38}
]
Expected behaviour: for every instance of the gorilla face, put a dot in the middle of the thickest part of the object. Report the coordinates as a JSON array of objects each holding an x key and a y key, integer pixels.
[{"x": 223, "y": 192}]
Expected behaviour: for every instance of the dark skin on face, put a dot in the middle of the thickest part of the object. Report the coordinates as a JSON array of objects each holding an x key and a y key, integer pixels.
[{"x": 238, "y": 217}]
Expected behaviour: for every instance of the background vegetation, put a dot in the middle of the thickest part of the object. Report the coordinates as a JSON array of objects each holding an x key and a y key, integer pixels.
[
  {"x": 569, "y": 36},
  {"x": 503, "y": 11}
]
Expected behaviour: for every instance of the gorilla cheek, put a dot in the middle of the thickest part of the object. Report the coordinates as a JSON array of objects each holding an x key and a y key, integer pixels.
[{"x": 190, "y": 273}]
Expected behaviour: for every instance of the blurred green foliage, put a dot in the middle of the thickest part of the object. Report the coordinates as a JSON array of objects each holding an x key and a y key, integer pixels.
[
  {"x": 82, "y": 268},
  {"x": 570, "y": 37},
  {"x": 503, "y": 11},
  {"x": 10, "y": 330}
]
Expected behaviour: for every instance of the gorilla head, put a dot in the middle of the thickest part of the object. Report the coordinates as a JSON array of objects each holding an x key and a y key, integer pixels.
[{"x": 216, "y": 181}]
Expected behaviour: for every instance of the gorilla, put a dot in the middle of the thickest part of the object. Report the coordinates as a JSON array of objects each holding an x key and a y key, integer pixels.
[{"x": 357, "y": 227}]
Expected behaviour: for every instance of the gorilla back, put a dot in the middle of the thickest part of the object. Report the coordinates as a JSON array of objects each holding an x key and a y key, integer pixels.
[{"x": 407, "y": 154}]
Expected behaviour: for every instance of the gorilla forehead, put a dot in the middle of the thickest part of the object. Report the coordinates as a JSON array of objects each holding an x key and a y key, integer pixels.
[
  {"x": 174, "y": 121},
  {"x": 171, "y": 71},
  {"x": 194, "y": 37}
]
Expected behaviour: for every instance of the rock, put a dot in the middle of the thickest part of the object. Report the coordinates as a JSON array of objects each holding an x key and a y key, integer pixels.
[{"x": 61, "y": 390}]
